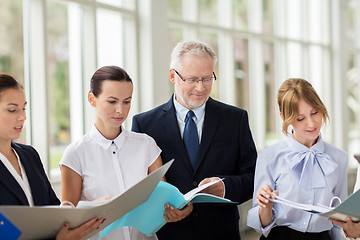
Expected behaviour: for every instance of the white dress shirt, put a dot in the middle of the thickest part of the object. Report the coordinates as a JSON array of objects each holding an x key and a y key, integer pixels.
[
  {"x": 199, "y": 117},
  {"x": 181, "y": 112},
  {"x": 304, "y": 175},
  {"x": 109, "y": 167}
]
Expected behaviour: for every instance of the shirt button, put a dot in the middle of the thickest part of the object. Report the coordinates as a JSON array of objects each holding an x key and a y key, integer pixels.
[
  {"x": 304, "y": 223},
  {"x": 114, "y": 152},
  {"x": 195, "y": 184}
]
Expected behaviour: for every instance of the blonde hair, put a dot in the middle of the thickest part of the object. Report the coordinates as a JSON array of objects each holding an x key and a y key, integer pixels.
[{"x": 289, "y": 95}]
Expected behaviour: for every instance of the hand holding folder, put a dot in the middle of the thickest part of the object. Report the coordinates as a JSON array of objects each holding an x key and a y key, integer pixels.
[
  {"x": 148, "y": 217},
  {"x": 350, "y": 207},
  {"x": 45, "y": 222}
]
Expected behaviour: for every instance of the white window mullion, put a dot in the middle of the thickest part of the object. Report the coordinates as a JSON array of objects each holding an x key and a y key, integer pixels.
[
  {"x": 191, "y": 14},
  {"x": 339, "y": 66},
  {"x": 226, "y": 54},
  {"x": 89, "y": 62},
  {"x": 256, "y": 75},
  {"x": 155, "y": 57},
  {"x": 35, "y": 76},
  {"x": 75, "y": 73}
]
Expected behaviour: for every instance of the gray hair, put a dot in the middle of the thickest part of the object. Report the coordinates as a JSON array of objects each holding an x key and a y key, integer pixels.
[{"x": 195, "y": 48}]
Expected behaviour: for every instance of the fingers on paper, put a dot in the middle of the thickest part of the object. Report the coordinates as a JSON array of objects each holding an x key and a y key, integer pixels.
[
  {"x": 264, "y": 193},
  {"x": 217, "y": 189},
  {"x": 204, "y": 181}
]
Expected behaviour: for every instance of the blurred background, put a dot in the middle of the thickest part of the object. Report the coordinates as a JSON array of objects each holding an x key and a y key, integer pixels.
[{"x": 54, "y": 46}]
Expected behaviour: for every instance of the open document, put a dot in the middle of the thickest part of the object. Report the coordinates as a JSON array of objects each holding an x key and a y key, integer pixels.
[
  {"x": 148, "y": 217},
  {"x": 46, "y": 221},
  {"x": 350, "y": 207}
]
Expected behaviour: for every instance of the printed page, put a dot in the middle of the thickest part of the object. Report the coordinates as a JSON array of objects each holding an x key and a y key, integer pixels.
[{"x": 190, "y": 194}]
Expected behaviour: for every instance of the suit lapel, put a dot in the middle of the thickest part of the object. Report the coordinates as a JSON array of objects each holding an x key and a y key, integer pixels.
[
  {"x": 172, "y": 128},
  {"x": 31, "y": 175},
  {"x": 211, "y": 121},
  {"x": 10, "y": 182}
]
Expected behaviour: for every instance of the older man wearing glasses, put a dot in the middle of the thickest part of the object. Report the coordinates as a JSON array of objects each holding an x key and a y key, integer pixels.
[{"x": 208, "y": 140}]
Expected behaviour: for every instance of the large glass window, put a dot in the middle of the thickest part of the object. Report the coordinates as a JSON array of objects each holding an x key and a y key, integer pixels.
[
  {"x": 270, "y": 91},
  {"x": 110, "y": 38},
  {"x": 240, "y": 14},
  {"x": 208, "y": 11},
  {"x": 241, "y": 73},
  {"x": 11, "y": 44},
  {"x": 57, "y": 81}
]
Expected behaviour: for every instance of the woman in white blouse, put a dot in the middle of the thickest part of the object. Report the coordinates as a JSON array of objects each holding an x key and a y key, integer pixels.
[
  {"x": 110, "y": 159},
  {"x": 351, "y": 229}
]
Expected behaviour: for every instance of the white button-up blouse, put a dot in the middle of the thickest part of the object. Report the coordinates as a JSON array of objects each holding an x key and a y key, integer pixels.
[{"x": 109, "y": 167}]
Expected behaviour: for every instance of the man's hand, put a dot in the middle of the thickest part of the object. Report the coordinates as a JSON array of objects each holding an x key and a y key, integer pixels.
[
  {"x": 216, "y": 189},
  {"x": 172, "y": 214}
]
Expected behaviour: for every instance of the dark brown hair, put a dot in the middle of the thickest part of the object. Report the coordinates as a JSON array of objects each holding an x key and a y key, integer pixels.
[
  {"x": 7, "y": 82},
  {"x": 113, "y": 73}
]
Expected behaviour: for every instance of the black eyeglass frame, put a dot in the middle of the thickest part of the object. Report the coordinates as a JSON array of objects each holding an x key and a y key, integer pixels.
[{"x": 186, "y": 80}]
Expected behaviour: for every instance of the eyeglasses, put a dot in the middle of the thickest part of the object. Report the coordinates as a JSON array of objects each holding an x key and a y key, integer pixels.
[{"x": 192, "y": 81}]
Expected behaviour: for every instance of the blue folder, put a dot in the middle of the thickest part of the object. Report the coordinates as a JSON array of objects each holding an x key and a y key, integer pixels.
[
  {"x": 148, "y": 217},
  {"x": 8, "y": 230}
]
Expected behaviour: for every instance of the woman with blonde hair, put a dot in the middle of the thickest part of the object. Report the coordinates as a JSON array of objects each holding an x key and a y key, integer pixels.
[{"x": 302, "y": 168}]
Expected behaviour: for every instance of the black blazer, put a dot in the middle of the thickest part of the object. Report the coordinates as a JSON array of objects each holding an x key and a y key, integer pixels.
[
  {"x": 10, "y": 191},
  {"x": 227, "y": 150}
]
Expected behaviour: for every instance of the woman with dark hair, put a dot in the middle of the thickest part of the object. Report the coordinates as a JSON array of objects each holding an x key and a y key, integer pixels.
[
  {"x": 302, "y": 168},
  {"x": 109, "y": 159},
  {"x": 22, "y": 177}
]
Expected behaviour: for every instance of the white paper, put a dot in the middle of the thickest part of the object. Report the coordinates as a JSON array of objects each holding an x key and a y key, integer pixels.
[
  {"x": 190, "y": 194},
  {"x": 46, "y": 221}
]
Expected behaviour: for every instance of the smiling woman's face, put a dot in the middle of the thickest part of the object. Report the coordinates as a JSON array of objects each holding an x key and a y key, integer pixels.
[{"x": 307, "y": 125}]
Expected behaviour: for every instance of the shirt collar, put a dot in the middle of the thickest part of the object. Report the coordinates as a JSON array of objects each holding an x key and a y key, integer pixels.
[
  {"x": 181, "y": 111},
  {"x": 106, "y": 143},
  {"x": 296, "y": 146}
]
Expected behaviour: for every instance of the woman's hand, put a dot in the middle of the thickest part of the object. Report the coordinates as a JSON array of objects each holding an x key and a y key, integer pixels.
[
  {"x": 351, "y": 229},
  {"x": 262, "y": 199},
  {"x": 264, "y": 193},
  {"x": 172, "y": 214},
  {"x": 77, "y": 233}
]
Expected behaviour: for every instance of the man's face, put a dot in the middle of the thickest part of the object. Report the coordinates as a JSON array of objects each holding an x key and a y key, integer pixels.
[{"x": 192, "y": 95}]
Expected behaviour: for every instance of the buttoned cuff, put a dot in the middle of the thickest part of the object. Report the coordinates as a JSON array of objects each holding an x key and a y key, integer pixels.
[{"x": 266, "y": 230}]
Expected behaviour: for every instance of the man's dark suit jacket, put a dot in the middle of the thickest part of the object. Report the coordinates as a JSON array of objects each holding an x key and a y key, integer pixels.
[
  {"x": 227, "y": 150},
  {"x": 10, "y": 191}
]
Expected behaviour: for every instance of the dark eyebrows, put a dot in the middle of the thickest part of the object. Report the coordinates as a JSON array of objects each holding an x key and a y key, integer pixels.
[
  {"x": 115, "y": 98},
  {"x": 15, "y": 104}
]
